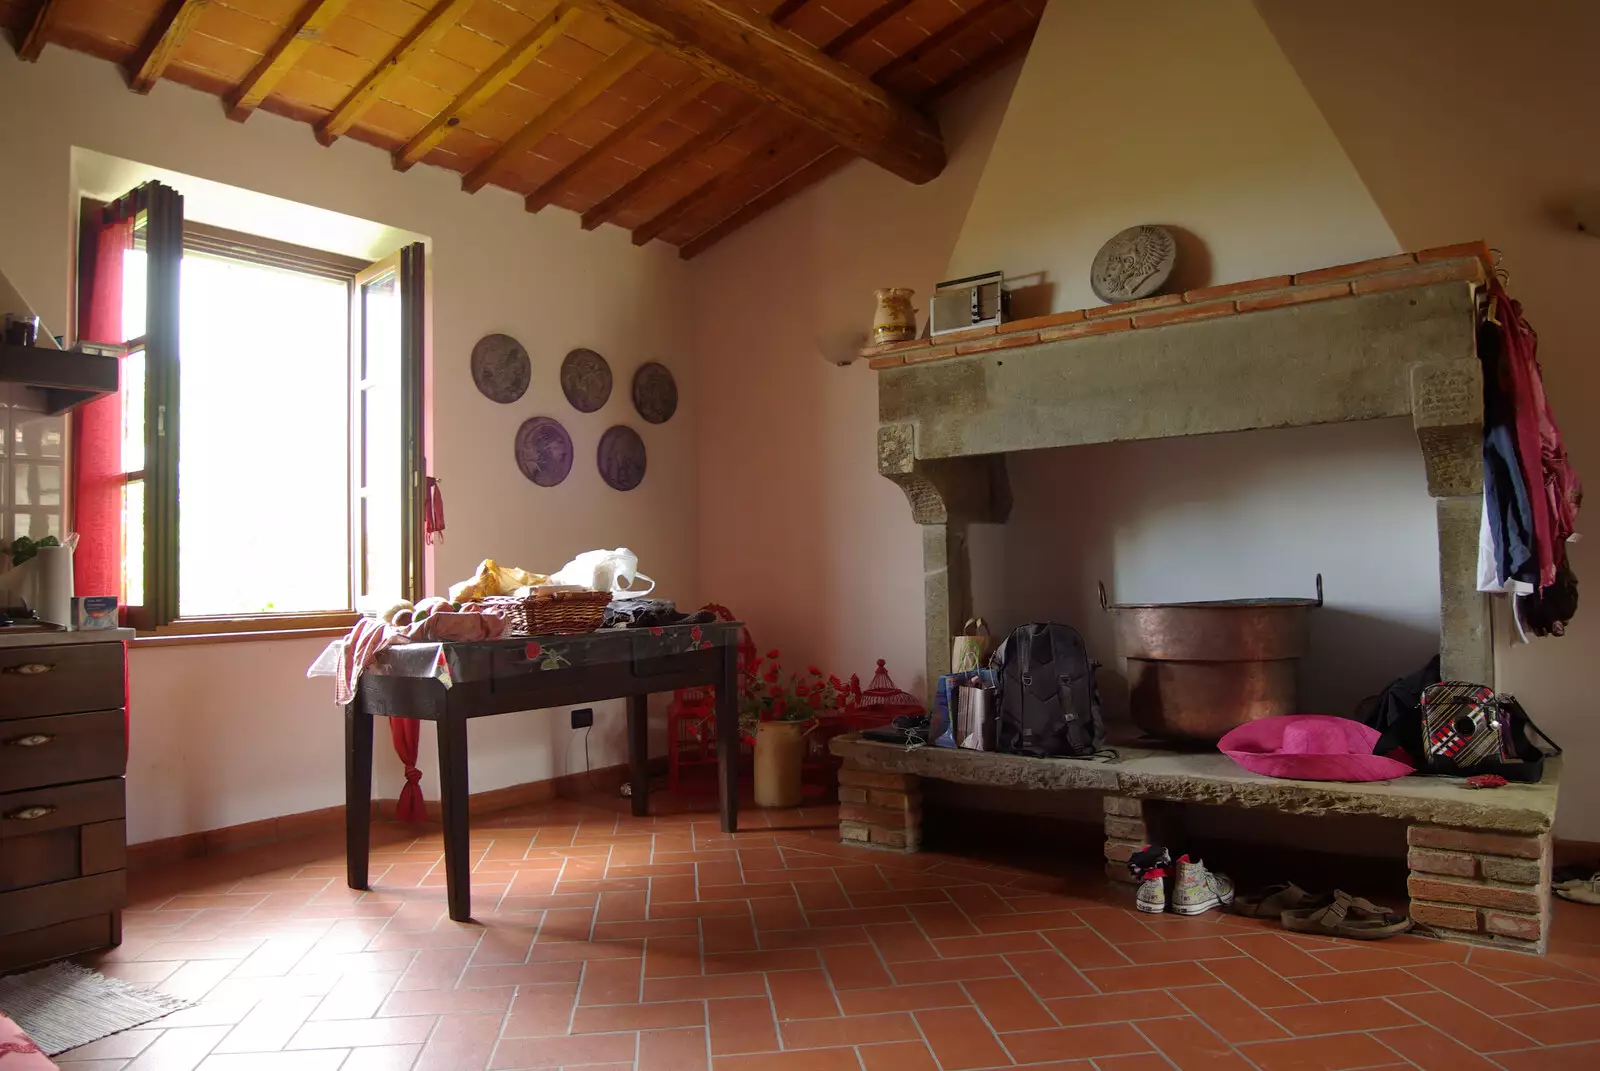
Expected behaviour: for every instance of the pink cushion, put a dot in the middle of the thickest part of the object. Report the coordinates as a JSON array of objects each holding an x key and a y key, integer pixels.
[{"x": 17, "y": 1052}]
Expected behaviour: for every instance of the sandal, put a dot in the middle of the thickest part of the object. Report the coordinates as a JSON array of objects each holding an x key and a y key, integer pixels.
[
  {"x": 1274, "y": 900},
  {"x": 1347, "y": 916},
  {"x": 1580, "y": 890}
]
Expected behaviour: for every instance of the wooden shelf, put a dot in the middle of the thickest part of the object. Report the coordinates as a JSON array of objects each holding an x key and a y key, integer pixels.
[{"x": 66, "y": 378}]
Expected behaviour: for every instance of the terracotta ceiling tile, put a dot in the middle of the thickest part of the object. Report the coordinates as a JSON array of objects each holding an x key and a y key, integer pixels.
[
  {"x": 335, "y": 64},
  {"x": 469, "y": 48},
  {"x": 398, "y": 17},
  {"x": 447, "y": 75},
  {"x": 309, "y": 88},
  {"x": 571, "y": 57},
  {"x": 233, "y": 27},
  {"x": 200, "y": 52},
  {"x": 501, "y": 23}
]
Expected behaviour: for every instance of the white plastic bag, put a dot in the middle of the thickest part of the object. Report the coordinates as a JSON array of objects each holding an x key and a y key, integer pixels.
[{"x": 605, "y": 570}]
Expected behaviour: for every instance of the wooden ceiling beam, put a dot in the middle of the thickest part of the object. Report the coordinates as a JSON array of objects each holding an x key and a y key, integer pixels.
[
  {"x": 875, "y": 18},
  {"x": 37, "y": 35},
  {"x": 309, "y": 24},
  {"x": 938, "y": 38},
  {"x": 515, "y": 60},
  {"x": 563, "y": 108},
  {"x": 434, "y": 25},
  {"x": 730, "y": 121},
  {"x": 782, "y": 69},
  {"x": 147, "y": 65},
  {"x": 759, "y": 158},
  {"x": 803, "y": 179},
  {"x": 653, "y": 113}
]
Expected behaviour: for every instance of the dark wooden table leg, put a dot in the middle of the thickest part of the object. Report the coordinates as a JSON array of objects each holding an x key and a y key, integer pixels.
[
  {"x": 357, "y": 793},
  {"x": 728, "y": 739},
  {"x": 639, "y": 752},
  {"x": 453, "y": 805}
]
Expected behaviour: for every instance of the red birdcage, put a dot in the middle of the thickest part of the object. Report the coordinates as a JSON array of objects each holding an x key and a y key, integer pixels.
[
  {"x": 884, "y": 701},
  {"x": 692, "y": 717}
]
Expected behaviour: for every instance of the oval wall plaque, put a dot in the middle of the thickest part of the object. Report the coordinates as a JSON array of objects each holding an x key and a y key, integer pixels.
[
  {"x": 621, "y": 458},
  {"x": 1134, "y": 264},
  {"x": 655, "y": 392},
  {"x": 544, "y": 450},
  {"x": 500, "y": 368},
  {"x": 586, "y": 380}
]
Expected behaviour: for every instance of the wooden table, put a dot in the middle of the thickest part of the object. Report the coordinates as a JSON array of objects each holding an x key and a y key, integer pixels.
[{"x": 449, "y": 683}]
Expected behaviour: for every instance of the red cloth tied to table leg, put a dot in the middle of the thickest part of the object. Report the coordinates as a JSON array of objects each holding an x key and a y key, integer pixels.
[{"x": 406, "y": 732}]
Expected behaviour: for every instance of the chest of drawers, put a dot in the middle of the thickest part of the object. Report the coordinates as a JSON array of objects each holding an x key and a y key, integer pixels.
[{"x": 63, "y": 841}]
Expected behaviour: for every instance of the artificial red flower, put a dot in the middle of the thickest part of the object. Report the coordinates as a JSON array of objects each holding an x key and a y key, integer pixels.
[
  {"x": 801, "y": 689},
  {"x": 814, "y": 671},
  {"x": 771, "y": 675},
  {"x": 780, "y": 708},
  {"x": 531, "y": 651},
  {"x": 775, "y": 692},
  {"x": 773, "y": 654}
]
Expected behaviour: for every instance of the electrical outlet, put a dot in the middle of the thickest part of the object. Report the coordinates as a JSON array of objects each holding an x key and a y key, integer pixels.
[{"x": 583, "y": 718}]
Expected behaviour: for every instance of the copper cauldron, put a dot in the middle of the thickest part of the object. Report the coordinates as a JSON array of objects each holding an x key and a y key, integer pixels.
[{"x": 1198, "y": 669}]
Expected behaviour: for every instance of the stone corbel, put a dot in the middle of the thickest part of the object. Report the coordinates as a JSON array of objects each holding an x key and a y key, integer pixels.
[
  {"x": 1447, "y": 412},
  {"x": 946, "y": 494}
]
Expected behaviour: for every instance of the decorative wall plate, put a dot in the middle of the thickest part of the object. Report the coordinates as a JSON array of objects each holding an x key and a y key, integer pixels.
[
  {"x": 621, "y": 458},
  {"x": 586, "y": 380},
  {"x": 500, "y": 368},
  {"x": 544, "y": 450},
  {"x": 1134, "y": 264},
  {"x": 655, "y": 392}
]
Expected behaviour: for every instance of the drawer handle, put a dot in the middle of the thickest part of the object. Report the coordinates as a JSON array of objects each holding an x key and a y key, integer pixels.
[
  {"x": 30, "y": 669},
  {"x": 31, "y": 740},
  {"x": 28, "y": 814}
]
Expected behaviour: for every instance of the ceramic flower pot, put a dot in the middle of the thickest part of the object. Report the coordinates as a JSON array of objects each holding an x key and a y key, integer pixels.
[
  {"x": 895, "y": 319},
  {"x": 780, "y": 754}
]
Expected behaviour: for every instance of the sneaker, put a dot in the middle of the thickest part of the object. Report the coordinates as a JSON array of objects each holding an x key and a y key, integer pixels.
[
  {"x": 1197, "y": 890},
  {"x": 1151, "y": 867}
]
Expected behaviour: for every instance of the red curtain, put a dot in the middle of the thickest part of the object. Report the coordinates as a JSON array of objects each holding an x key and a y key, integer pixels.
[
  {"x": 97, "y": 427},
  {"x": 405, "y": 732}
]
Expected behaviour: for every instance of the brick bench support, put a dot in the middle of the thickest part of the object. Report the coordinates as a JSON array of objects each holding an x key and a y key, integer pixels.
[
  {"x": 1127, "y": 830},
  {"x": 1481, "y": 888},
  {"x": 881, "y": 810}
]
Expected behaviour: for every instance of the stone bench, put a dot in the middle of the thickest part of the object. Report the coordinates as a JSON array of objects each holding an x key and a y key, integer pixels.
[{"x": 1479, "y": 860}]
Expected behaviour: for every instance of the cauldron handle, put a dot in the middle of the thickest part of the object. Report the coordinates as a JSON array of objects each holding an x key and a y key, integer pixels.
[
  {"x": 1104, "y": 606},
  {"x": 1319, "y": 592}
]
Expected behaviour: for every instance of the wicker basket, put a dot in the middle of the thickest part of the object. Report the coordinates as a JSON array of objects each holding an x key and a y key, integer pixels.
[{"x": 551, "y": 613}]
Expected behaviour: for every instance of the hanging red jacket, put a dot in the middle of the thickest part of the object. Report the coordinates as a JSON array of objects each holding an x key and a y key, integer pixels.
[{"x": 1539, "y": 448}]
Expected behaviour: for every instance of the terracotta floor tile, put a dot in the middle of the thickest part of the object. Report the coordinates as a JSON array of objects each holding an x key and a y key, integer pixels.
[
  {"x": 1343, "y": 1016},
  {"x": 849, "y": 1030},
  {"x": 1229, "y": 1015},
  {"x": 615, "y": 1017},
  {"x": 805, "y": 1060},
  {"x": 351, "y": 1033},
  {"x": 519, "y": 974},
  {"x": 1473, "y": 988},
  {"x": 1164, "y": 976},
  {"x": 382, "y": 1058},
  {"x": 960, "y": 1039},
  {"x": 1566, "y": 1058},
  {"x": 1181, "y": 949},
  {"x": 442, "y": 1001},
  {"x": 1141, "y": 1062},
  {"x": 805, "y": 995},
  {"x": 672, "y": 957},
  {"x": 952, "y": 970},
  {"x": 901, "y": 1056},
  {"x": 1191, "y": 1046},
  {"x": 1461, "y": 1021},
  {"x": 783, "y": 959},
  {"x": 318, "y": 1060},
  {"x": 990, "y": 944},
  {"x": 1257, "y": 984},
  {"x": 1120, "y": 1007},
  {"x": 944, "y": 920},
  {"x": 1553, "y": 993},
  {"x": 1086, "y": 949},
  {"x": 541, "y": 1011},
  {"x": 1074, "y": 1043},
  {"x": 830, "y": 937},
  {"x": 706, "y": 988},
  {"x": 1118, "y": 925},
  {"x": 1049, "y": 975},
  {"x": 269, "y": 1025},
  {"x": 611, "y": 981},
  {"x": 178, "y": 1050},
  {"x": 1008, "y": 1004},
  {"x": 1336, "y": 1052},
  {"x": 901, "y": 943},
  {"x": 1284, "y": 958},
  {"x": 669, "y": 1050},
  {"x": 741, "y": 1025},
  {"x": 1432, "y": 1051},
  {"x": 1381, "y": 983},
  {"x": 855, "y": 967},
  {"x": 123, "y": 1046},
  {"x": 559, "y": 1052},
  {"x": 899, "y": 998},
  {"x": 1565, "y": 1027}
]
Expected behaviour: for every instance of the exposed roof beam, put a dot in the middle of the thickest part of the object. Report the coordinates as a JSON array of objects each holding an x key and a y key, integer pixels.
[
  {"x": 942, "y": 36},
  {"x": 563, "y": 108},
  {"x": 877, "y": 17},
  {"x": 782, "y": 69},
  {"x": 1003, "y": 54},
  {"x": 803, "y": 179},
  {"x": 731, "y": 120},
  {"x": 759, "y": 158},
  {"x": 434, "y": 25},
  {"x": 515, "y": 60},
  {"x": 306, "y": 30},
  {"x": 172, "y": 25},
  {"x": 653, "y": 113},
  {"x": 38, "y": 32}
]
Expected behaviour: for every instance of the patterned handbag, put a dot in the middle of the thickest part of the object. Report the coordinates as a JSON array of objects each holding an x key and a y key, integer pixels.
[{"x": 1470, "y": 729}]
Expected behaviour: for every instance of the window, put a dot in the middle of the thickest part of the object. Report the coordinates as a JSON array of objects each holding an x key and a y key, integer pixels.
[{"x": 268, "y": 427}]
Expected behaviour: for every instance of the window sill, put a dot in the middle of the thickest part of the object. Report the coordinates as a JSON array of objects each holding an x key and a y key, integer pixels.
[{"x": 153, "y": 639}]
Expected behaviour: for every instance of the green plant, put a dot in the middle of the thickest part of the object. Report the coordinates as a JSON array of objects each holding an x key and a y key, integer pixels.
[{"x": 765, "y": 695}]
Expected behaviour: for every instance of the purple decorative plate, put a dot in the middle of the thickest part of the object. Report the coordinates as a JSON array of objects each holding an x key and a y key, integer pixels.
[
  {"x": 544, "y": 450},
  {"x": 621, "y": 458},
  {"x": 585, "y": 380},
  {"x": 500, "y": 368}
]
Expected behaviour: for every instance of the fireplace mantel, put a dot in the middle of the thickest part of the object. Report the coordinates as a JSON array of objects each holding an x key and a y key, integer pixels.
[{"x": 1384, "y": 338}]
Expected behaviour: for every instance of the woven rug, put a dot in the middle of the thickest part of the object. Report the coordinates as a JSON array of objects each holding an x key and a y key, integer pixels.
[{"x": 64, "y": 1005}]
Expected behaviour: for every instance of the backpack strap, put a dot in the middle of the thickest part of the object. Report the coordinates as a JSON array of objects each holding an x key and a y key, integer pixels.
[{"x": 1520, "y": 719}]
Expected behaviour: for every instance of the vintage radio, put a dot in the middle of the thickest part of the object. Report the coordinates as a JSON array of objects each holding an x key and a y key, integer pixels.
[{"x": 960, "y": 304}]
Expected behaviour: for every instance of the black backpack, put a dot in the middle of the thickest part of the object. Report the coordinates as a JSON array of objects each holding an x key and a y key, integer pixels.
[{"x": 1049, "y": 705}]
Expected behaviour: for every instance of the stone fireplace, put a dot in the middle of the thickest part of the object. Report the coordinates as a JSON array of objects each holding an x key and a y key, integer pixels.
[{"x": 1381, "y": 338}]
